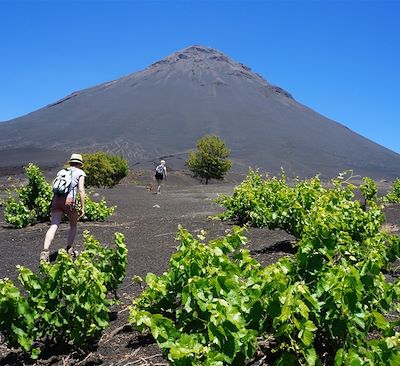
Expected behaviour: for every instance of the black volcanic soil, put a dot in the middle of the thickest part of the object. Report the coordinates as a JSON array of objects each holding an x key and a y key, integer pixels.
[{"x": 149, "y": 223}]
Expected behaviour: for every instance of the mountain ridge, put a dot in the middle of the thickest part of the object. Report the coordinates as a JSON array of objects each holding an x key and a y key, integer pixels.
[{"x": 193, "y": 52}]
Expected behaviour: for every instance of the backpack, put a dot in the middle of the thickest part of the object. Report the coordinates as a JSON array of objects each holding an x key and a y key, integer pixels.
[
  {"x": 160, "y": 171},
  {"x": 62, "y": 183}
]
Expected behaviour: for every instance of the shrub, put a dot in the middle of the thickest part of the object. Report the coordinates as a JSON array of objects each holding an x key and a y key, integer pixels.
[
  {"x": 17, "y": 214},
  {"x": 215, "y": 302},
  {"x": 111, "y": 262},
  {"x": 394, "y": 195},
  {"x": 33, "y": 200},
  {"x": 120, "y": 166},
  {"x": 200, "y": 310},
  {"x": 97, "y": 211},
  {"x": 369, "y": 190},
  {"x": 271, "y": 203},
  {"x": 37, "y": 194},
  {"x": 67, "y": 301},
  {"x": 327, "y": 304},
  {"x": 104, "y": 170}
]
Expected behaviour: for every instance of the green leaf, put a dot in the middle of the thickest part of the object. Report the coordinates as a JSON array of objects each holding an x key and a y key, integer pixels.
[
  {"x": 353, "y": 359},
  {"x": 307, "y": 337},
  {"x": 359, "y": 318},
  {"x": 35, "y": 353},
  {"x": 311, "y": 356},
  {"x": 285, "y": 313},
  {"x": 234, "y": 316},
  {"x": 309, "y": 325},
  {"x": 339, "y": 357},
  {"x": 380, "y": 320},
  {"x": 303, "y": 308}
]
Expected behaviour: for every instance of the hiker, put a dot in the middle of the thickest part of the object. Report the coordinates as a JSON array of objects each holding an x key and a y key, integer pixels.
[
  {"x": 160, "y": 174},
  {"x": 72, "y": 182}
]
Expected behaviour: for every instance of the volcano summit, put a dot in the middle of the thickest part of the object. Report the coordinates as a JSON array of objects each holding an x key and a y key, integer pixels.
[{"x": 163, "y": 110}]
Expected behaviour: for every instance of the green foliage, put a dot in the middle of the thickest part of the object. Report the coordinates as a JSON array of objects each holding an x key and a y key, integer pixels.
[
  {"x": 103, "y": 169},
  {"x": 97, "y": 211},
  {"x": 369, "y": 190},
  {"x": 320, "y": 306},
  {"x": 17, "y": 318},
  {"x": 70, "y": 300},
  {"x": 17, "y": 214},
  {"x": 199, "y": 311},
  {"x": 210, "y": 160},
  {"x": 120, "y": 166},
  {"x": 271, "y": 203},
  {"x": 37, "y": 193},
  {"x": 32, "y": 202},
  {"x": 394, "y": 195},
  {"x": 67, "y": 301},
  {"x": 111, "y": 262},
  {"x": 375, "y": 352}
]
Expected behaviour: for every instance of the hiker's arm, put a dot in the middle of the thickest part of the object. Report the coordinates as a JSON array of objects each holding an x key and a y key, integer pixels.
[
  {"x": 165, "y": 173},
  {"x": 81, "y": 189}
]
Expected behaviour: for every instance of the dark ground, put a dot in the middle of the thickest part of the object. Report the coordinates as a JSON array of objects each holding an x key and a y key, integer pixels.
[{"x": 149, "y": 223}]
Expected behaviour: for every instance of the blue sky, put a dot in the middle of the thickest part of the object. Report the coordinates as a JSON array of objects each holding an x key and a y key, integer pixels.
[{"x": 341, "y": 59}]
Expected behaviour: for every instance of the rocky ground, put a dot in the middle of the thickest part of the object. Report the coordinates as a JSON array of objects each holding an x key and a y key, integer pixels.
[{"x": 149, "y": 223}]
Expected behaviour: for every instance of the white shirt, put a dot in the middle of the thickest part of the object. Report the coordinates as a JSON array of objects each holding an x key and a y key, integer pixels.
[{"x": 76, "y": 174}]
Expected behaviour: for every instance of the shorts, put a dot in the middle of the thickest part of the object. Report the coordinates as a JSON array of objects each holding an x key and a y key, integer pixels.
[{"x": 67, "y": 206}]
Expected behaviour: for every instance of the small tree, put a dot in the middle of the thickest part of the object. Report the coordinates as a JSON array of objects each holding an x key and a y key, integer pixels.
[{"x": 210, "y": 161}]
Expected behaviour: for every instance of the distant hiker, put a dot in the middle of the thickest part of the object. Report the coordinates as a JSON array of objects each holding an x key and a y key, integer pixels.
[
  {"x": 68, "y": 183},
  {"x": 160, "y": 174}
]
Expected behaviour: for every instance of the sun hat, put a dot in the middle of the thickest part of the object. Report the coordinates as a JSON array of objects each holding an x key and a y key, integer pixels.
[{"x": 76, "y": 158}]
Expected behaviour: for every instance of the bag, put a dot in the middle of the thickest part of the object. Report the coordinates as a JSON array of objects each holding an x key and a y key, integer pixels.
[
  {"x": 160, "y": 171},
  {"x": 62, "y": 183}
]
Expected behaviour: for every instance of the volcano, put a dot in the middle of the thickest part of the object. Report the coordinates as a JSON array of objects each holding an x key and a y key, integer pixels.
[{"x": 161, "y": 112}]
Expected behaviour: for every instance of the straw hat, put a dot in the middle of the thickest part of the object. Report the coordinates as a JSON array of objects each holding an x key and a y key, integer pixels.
[{"x": 76, "y": 158}]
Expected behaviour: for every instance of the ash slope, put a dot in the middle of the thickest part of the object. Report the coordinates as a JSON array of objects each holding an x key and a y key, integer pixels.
[{"x": 162, "y": 110}]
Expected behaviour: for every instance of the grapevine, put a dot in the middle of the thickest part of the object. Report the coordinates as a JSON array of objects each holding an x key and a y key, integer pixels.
[
  {"x": 67, "y": 302},
  {"x": 216, "y": 304},
  {"x": 394, "y": 195}
]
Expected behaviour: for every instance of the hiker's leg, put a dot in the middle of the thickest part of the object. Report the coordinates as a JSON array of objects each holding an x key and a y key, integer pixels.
[
  {"x": 56, "y": 216},
  {"x": 155, "y": 186},
  {"x": 73, "y": 225},
  {"x": 71, "y": 235}
]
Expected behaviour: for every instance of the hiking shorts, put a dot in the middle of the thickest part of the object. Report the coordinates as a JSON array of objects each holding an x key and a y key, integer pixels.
[{"x": 66, "y": 206}]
